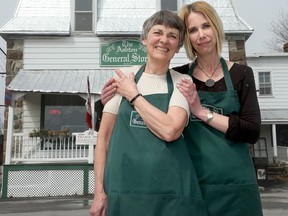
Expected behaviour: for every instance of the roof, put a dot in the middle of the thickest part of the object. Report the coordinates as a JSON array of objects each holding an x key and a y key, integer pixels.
[
  {"x": 274, "y": 115},
  {"x": 51, "y": 17},
  {"x": 230, "y": 17},
  {"x": 123, "y": 17},
  {"x": 59, "y": 81}
]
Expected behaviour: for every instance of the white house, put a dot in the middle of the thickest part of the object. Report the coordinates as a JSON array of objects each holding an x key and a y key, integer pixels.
[
  {"x": 52, "y": 47},
  {"x": 271, "y": 77}
]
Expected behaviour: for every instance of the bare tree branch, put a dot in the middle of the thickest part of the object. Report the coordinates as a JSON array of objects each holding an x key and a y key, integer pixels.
[{"x": 280, "y": 29}]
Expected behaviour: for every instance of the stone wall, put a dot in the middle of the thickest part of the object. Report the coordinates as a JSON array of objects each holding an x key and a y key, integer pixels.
[
  {"x": 237, "y": 51},
  {"x": 14, "y": 62}
]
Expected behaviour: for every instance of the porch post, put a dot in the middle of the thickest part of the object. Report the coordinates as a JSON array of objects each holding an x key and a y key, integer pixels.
[
  {"x": 274, "y": 140},
  {"x": 9, "y": 135}
]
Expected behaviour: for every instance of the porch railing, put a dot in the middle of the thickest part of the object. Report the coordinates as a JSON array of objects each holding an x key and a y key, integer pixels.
[{"x": 27, "y": 149}]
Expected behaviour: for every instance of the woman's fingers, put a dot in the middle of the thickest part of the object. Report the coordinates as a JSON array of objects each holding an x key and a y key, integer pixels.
[
  {"x": 108, "y": 91},
  {"x": 186, "y": 87}
]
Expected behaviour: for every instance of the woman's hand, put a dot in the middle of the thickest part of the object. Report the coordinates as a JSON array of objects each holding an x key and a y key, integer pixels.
[
  {"x": 108, "y": 91},
  {"x": 99, "y": 205},
  {"x": 126, "y": 86},
  {"x": 188, "y": 89}
]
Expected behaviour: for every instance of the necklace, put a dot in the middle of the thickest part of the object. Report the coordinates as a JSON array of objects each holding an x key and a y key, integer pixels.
[{"x": 209, "y": 82}]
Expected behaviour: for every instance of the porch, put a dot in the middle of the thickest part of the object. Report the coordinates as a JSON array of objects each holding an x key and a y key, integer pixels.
[{"x": 47, "y": 166}]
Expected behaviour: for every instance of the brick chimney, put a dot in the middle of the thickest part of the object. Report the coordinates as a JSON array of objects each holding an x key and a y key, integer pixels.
[{"x": 285, "y": 47}]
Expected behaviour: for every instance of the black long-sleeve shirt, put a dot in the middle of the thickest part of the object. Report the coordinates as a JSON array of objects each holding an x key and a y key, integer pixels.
[{"x": 245, "y": 126}]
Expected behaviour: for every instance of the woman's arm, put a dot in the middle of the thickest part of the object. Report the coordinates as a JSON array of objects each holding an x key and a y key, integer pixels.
[
  {"x": 188, "y": 89},
  {"x": 167, "y": 126},
  {"x": 99, "y": 205},
  {"x": 245, "y": 126},
  {"x": 242, "y": 127}
]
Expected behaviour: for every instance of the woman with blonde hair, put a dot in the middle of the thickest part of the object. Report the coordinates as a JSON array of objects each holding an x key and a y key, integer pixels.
[{"x": 225, "y": 117}]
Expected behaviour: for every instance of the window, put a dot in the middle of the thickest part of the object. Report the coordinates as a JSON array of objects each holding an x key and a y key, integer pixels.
[
  {"x": 83, "y": 15},
  {"x": 64, "y": 112},
  {"x": 265, "y": 83},
  {"x": 169, "y": 5},
  {"x": 282, "y": 135},
  {"x": 260, "y": 148}
]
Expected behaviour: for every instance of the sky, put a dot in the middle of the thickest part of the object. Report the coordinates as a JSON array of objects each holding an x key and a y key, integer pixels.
[{"x": 257, "y": 13}]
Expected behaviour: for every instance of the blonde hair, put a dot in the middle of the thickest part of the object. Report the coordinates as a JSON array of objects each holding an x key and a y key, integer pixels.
[{"x": 213, "y": 19}]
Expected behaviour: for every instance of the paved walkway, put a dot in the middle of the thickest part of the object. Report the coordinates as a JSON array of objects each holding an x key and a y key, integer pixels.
[{"x": 274, "y": 199}]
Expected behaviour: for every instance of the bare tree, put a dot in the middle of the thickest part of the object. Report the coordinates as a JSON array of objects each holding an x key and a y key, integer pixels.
[{"x": 280, "y": 29}]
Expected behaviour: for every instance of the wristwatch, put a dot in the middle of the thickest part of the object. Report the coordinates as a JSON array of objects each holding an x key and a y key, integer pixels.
[{"x": 210, "y": 116}]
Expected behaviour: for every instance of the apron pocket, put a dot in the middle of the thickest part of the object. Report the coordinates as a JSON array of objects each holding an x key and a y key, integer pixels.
[
  {"x": 154, "y": 205},
  {"x": 236, "y": 200}
]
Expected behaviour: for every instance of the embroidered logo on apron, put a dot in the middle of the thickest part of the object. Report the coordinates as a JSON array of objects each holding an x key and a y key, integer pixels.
[{"x": 136, "y": 120}]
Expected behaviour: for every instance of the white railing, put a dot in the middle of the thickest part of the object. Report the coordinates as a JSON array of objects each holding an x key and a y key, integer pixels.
[{"x": 47, "y": 149}]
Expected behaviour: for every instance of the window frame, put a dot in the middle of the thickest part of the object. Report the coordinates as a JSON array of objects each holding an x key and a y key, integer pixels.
[
  {"x": 73, "y": 18},
  {"x": 61, "y": 97},
  {"x": 264, "y": 85},
  {"x": 180, "y": 3},
  {"x": 281, "y": 135}
]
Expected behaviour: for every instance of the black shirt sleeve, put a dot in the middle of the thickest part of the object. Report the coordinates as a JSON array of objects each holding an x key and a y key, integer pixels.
[{"x": 244, "y": 127}]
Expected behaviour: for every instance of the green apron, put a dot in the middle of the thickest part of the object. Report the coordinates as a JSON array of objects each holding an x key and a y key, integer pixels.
[
  {"x": 225, "y": 170},
  {"x": 146, "y": 176}
]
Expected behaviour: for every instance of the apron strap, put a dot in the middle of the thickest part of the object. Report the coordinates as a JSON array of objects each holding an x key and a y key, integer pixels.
[{"x": 228, "y": 81}]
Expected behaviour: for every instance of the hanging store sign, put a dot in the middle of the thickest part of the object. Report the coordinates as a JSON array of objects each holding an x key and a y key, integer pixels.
[
  {"x": 88, "y": 137},
  {"x": 122, "y": 53}
]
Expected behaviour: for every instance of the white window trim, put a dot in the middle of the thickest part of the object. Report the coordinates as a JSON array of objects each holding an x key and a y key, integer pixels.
[
  {"x": 94, "y": 15},
  {"x": 271, "y": 82}
]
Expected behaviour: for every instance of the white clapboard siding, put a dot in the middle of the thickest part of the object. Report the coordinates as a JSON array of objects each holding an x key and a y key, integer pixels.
[
  {"x": 278, "y": 68},
  {"x": 64, "y": 52},
  {"x": 31, "y": 113},
  {"x": 61, "y": 53}
]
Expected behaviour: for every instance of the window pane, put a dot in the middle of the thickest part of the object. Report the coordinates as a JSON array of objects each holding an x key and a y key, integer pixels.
[
  {"x": 169, "y": 4},
  {"x": 261, "y": 77},
  {"x": 83, "y": 21},
  {"x": 267, "y": 78},
  {"x": 282, "y": 135},
  {"x": 83, "y": 5},
  {"x": 64, "y": 112}
]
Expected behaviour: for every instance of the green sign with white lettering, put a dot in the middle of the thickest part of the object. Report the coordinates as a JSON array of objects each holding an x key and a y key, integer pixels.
[{"x": 122, "y": 53}]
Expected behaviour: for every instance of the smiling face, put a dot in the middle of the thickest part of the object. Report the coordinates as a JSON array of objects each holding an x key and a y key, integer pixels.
[
  {"x": 161, "y": 43},
  {"x": 201, "y": 34}
]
